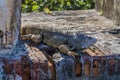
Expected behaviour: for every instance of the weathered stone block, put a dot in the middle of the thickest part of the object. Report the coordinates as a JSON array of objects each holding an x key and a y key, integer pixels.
[
  {"x": 87, "y": 66},
  {"x": 40, "y": 70},
  {"x": 118, "y": 67},
  {"x": 78, "y": 67},
  {"x": 8, "y": 67},
  {"x": 111, "y": 67},
  {"x": 103, "y": 66},
  {"x": 25, "y": 68},
  {"x": 95, "y": 66},
  {"x": 18, "y": 68},
  {"x": 64, "y": 67}
]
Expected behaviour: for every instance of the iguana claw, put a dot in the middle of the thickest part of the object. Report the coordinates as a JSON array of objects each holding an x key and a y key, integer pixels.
[{"x": 73, "y": 54}]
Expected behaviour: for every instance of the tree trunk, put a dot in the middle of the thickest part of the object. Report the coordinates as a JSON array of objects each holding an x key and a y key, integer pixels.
[
  {"x": 109, "y": 9},
  {"x": 9, "y": 23}
]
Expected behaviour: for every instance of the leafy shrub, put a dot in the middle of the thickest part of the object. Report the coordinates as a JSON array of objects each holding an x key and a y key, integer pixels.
[{"x": 56, "y": 5}]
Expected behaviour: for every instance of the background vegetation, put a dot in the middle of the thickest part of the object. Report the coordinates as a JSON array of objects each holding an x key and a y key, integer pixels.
[{"x": 55, "y": 5}]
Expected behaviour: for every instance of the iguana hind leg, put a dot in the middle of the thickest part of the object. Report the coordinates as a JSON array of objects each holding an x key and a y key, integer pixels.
[{"x": 65, "y": 49}]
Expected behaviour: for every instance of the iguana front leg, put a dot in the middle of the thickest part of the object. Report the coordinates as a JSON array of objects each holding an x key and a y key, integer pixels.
[
  {"x": 32, "y": 37},
  {"x": 26, "y": 37},
  {"x": 65, "y": 49}
]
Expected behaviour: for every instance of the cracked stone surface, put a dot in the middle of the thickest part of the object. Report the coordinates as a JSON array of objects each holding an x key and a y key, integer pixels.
[{"x": 67, "y": 21}]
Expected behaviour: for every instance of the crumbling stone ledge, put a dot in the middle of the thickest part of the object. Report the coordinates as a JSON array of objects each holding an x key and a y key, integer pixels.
[{"x": 30, "y": 63}]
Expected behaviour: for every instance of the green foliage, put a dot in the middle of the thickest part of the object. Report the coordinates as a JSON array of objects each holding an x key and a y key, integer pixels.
[{"x": 56, "y": 5}]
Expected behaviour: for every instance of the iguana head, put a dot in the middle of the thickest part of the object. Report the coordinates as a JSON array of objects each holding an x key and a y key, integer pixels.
[
  {"x": 80, "y": 41},
  {"x": 36, "y": 38}
]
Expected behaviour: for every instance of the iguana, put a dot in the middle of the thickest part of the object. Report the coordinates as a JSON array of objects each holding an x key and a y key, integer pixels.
[{"x": 62, "y": 42}]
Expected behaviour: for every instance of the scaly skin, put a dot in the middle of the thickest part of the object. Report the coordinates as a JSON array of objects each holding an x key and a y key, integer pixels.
[{"x": 51, "y": 39}]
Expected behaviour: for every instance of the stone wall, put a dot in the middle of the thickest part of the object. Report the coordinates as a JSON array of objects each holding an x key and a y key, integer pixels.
[
  {"x": 9, "y": 23},
  {"x": 109, "y": 9}
]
